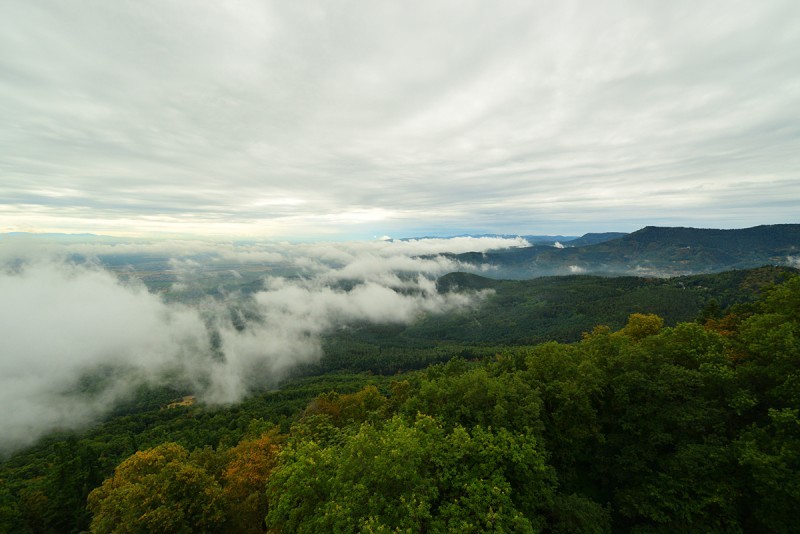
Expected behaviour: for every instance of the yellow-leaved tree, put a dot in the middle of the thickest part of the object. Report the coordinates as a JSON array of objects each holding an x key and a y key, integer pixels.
[{"x": 158, "y": 490}]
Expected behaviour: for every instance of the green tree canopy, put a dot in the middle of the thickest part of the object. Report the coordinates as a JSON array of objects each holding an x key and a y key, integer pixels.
[{"x": 412, "y": 476}]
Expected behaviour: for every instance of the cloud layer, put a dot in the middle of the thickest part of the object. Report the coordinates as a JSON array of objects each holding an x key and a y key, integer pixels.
[
  {"x": 78, "y": 338},
  {"x": 334, "y": 118}
]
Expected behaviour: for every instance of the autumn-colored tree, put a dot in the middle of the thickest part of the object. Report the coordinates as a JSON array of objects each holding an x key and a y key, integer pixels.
[
  {"x": 642, "y": 325},
  {"x": 348, "y": 408},
  {"x": 158, "y": 490},
  {"x": 245, "y": 481}
]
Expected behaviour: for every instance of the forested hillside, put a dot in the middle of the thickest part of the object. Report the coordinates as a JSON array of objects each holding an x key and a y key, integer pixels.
[
  {"x": 527, "y": 312},
  {"x": 644, "y": 428},
  {"x": 653, "y": 251}
]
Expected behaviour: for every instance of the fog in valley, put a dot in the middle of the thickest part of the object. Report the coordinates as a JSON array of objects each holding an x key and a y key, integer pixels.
[{"x": 79, "y": 336}]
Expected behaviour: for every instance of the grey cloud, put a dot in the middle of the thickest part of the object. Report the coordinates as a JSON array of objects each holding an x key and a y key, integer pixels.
[{"x": 196, "y": 117}]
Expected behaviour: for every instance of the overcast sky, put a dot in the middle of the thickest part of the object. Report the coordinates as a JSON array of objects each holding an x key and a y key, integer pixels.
[{"x": 353, "y": 119}]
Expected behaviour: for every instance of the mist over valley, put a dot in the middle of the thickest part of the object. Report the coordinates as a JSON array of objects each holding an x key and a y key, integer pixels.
[
  {"x": 86, "y": 320},
  {"x": 220, "y": 319}
]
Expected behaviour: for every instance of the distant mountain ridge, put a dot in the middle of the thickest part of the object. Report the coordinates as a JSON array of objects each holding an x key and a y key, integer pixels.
[
  {"x": 764, "y": 237},
  {"x": 595, "y": 238},
  {"x": 652, "y": 251}
]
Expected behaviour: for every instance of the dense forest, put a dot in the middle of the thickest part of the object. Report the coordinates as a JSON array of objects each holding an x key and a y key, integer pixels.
[{"x": 656, "y": 424}]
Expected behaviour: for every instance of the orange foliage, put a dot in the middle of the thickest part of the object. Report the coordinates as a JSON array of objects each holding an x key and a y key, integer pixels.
[
  {"x": 348, "y": 408},
  {"x": 245, "y": 479},
  {"x": 726, "y": 326}
]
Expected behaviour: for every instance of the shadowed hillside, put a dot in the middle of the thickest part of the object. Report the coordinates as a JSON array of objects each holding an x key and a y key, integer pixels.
[{"x": 652, "y": 251}]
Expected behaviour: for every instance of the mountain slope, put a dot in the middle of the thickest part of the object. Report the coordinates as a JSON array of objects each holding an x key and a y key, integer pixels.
[
  {"x": 652, "y": 251},
  {"x": 533, "y": 311}
]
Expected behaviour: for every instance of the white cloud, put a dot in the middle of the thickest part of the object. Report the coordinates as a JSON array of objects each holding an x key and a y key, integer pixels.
[
  {"x": 60, "y": 323},
  {"x": 64, "y": 322}
]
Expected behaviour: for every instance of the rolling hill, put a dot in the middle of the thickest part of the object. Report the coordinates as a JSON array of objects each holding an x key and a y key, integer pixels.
[
  {"x": 526, "y": 312},
  {"x": 651, "y": 251}
]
